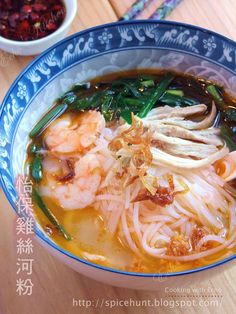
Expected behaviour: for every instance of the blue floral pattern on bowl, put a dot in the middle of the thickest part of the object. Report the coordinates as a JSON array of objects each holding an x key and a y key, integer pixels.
[{"x": 178, "y": 46}]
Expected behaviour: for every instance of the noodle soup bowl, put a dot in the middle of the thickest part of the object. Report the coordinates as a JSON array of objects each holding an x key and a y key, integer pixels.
[{"x": 96, "y": 52}]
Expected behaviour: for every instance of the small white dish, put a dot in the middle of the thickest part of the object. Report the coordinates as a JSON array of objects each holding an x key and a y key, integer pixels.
[{"x": 34, "y": 47}]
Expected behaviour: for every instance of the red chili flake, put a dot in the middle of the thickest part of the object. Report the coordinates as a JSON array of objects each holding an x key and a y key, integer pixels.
[
  {"x": 26, "y": 9},
  {"x": 24, "y": 25},
  {"x": 163, "y": 196},
  {"x": 57, "y": 7},
  {"x": 24, "y": 16},
  {"x": 34, "y": 17},
  {"x": 41, "y": 34},
  {"x": 51, "y": 26},
  {"x": 26, "y": 20},
  {"x": 38, "y": 7}
]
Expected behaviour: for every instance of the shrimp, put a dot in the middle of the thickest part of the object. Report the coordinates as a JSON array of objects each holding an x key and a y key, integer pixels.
[
  {"x": 73, "y": 134},
  {"x": 79, "y": 192}
]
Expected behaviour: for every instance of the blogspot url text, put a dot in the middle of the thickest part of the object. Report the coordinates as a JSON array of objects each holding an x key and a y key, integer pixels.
[{"x": 162, "y": 302}]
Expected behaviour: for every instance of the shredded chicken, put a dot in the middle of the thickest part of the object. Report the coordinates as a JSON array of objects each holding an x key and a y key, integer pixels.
[
  {"x": 168, "y": 112},
  {"x": 183, "y": 143},
  {"x": 180, "y": 147},
  {"x": 176, "y": 146},
  {"x": 160, "y": 156},
  {"x": 207, "y": 136},
  {"x": 177, "y": 117},
  {"x": 230, "y": 188}
]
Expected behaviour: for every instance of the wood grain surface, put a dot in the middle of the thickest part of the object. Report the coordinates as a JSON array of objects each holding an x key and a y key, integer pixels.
[{"x": 55, "y": 285}]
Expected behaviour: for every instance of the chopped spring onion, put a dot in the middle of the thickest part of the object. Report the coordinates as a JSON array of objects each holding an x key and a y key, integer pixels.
[
  {"x": 213, "y": 91},
  {"x": 127, "y": 116},
  {"x": 227, "y": 135},
  {"x": 106, "y": 108},
  {"x": 35, "y": 148},
  {"x": 130, "y": 86},
  {"x": 38, "y": 200},
  {"x": 81, "y": 86},
  {"x": 176, "y": 92},
  {"x": 230, "y": 114},
  {"x": 147, "y": 83},
  {"x": 159, "y": 91},
  {"x": 37, "y": 168},
  {"x": 48, "y": 119},
  {"x": 174, "y": 100},
  {"x": 133, "y": 102}
]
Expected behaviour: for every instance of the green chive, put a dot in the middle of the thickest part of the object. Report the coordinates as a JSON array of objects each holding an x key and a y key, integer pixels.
[
  {"x": 38, "y": 200},
  {"x": 106, "y": 108},
  {"x": 37, "y": 169},
  {"x": 48, "y": 119},
  {"x": 146, "y": 77},
  {"x": 230, "y": 114},
  {"x": 176, "y": 92},
  {"x": 159, "y": 91},
  {"x": 173, "y": 100},
  {"x": 227, "y": 135},
  {"x": 136, "y": 102},
  {"x": 127, "y": 116},
  {"x": 35, "y": 148},
  {"x": 80, "y": 86},
  {"x": 213, "y": 91},
  {"x": 148, "y": 83}
]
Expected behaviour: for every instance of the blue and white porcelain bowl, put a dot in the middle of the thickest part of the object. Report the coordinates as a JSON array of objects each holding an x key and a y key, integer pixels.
[{"x": 95, "y": 52}]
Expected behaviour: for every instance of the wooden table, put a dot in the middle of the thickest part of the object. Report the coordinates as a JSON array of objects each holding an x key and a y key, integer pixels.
[{"x": 55, "y": 285}]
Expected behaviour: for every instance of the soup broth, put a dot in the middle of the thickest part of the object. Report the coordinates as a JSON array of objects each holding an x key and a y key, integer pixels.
[{"x": 137, "y": 170}]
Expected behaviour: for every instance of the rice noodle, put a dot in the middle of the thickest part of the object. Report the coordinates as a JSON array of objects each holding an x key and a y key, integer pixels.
[
  {"x": 109, "y": 197},
  {"x": 157, "y": 218},
  {"x": 211, "y": 237},
  {"x": 172, "y": 212},
  {"x": 127, "y": 235},
  {"x": 183, "y": 210},
  {"x": 202, "y": 254},
  {"x": 178, "y": 223},
  {"x": 136, "y": 221},
  {"x": 147, "y": 248},
  {"x": 157, "y": 238},
  {"x": 154, "y": 226},
  {"x": 199, "y": 197},
  {"x": 188, "y": 229},
  {"x": 166, "y": 230},
  {"x": 173, "y": 161},
  {"x": 154, "y": 230},
  {"x": 114, "y": 219}
]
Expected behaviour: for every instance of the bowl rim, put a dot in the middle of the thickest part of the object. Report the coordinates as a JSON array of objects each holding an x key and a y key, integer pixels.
[
  {"x": 65, "y": 24},
  {"x": 38, "y": 232}
]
